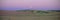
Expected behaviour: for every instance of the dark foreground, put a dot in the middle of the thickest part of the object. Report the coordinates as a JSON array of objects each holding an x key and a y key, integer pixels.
[{"x": 13, "y": 15}]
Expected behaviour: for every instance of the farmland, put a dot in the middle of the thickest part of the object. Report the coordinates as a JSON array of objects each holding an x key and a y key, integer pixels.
[{"x": 29, "y": 15}]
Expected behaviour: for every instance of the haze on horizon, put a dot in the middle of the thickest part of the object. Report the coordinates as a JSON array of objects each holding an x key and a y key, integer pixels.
[{"x": 30, "y": 4}]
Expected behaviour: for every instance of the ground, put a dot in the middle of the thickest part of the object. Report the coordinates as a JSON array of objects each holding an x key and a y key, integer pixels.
[{"x": 13, "y": 15}]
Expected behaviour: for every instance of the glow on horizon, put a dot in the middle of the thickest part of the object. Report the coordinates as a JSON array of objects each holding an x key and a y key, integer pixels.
[{"x": 30, "y": 4}]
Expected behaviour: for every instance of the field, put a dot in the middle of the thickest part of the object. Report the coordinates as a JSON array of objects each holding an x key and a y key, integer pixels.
[{"x": 28, "y": 15}]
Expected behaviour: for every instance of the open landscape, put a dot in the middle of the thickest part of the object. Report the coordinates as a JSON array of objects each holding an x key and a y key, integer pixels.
[
  {"x": 29, "y": 10},
  {"x": 28, "y": 15}
]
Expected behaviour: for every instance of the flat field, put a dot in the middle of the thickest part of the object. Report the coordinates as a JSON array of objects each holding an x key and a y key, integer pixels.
[{"x": 13, "y": 15}]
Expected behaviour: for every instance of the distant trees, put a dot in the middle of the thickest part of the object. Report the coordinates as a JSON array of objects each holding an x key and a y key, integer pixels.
[
  {"x": 58, "y": 11},
  {"x": 54, "y": 10},
  {"x": 25, "y": 10},
  {"x": 40, "y": 12}
]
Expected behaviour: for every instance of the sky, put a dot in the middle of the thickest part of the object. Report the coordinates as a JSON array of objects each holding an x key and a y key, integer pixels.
[{"x": 29, "y": 4}]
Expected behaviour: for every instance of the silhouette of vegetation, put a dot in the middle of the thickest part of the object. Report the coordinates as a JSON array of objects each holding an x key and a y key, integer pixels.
[
  {"x": 41, "y": 12},
  {"x": 54, "y": 10}
]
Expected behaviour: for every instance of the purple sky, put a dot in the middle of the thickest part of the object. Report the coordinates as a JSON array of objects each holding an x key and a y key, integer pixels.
[{"x": 30, "y": 4}]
